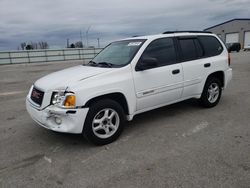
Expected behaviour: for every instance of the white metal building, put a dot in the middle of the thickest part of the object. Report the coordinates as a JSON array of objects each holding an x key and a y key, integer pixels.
[{"x": 235, "y": 30}]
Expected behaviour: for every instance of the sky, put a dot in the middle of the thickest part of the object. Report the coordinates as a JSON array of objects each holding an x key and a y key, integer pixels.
[{"x": 55, "y": 21}]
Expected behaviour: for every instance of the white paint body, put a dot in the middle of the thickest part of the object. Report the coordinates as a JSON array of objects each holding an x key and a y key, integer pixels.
[{"x": 143, "y": 90}]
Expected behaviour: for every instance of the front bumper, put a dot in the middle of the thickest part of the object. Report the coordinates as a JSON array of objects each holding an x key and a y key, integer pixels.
[{"x": 58, "y": 119}]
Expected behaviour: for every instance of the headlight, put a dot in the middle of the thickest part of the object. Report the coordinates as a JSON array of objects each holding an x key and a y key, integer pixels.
[
  {"x": 57, "y": 98},
  {"x": 63, "y": 99}
]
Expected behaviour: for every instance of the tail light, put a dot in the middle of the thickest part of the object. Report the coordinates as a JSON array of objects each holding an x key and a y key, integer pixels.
[{"x": 229, "y": 59}]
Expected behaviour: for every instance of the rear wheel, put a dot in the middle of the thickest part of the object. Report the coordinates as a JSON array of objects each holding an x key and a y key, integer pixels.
[
  {"x": 104, "y": 122},
  {"x": 211, "y": 93}
]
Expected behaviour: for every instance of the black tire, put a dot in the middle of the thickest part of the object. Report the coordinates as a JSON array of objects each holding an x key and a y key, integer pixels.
[
  {"x": 97, "y": 108},
  {"x": 204, "y": 100}
]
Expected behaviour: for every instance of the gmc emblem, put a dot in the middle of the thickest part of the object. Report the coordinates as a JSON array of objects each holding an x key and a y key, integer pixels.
[{"x": 35, "y": 94}]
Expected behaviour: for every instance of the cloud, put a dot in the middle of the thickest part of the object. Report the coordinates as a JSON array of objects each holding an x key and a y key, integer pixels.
[{"x": 58, "y": 20}]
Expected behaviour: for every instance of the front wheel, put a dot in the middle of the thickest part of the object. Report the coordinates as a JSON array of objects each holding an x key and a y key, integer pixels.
[
  {"x": 211, "y": 93},
  {"x": 104, "y": 122}
]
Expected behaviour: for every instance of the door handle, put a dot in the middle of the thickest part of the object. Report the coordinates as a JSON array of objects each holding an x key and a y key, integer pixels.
[
  {"x": 207, "y": 65},
  {"x": 176, "y": 71}
]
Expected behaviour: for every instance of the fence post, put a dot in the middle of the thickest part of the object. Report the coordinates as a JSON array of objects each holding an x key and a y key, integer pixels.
[
  {"x": 83, "y": 54},
  {"x": 63, "y": 51},
  {"x": 46, "y": 55},
  {"x": 28, "y": 56},
  {"x": 79, "y": 54},
  {"x": 10, "y": 58}
]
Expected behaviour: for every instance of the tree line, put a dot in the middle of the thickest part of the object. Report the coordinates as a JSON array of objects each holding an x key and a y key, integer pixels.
[
  {"x": 45, "y": 45},
  {"x": 33, "y": 45}
]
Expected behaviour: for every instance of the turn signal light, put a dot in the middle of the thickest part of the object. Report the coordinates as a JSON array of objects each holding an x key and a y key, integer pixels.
[{"x": 70, "y": 101}]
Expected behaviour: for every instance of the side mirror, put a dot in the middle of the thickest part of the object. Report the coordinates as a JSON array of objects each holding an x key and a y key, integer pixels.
[{"x": 146, "y": 63}]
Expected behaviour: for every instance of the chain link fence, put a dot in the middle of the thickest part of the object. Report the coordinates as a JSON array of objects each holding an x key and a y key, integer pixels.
[{"x": 47, "y": 55}]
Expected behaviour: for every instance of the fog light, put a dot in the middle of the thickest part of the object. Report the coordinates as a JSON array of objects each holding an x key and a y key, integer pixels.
[{"x": 58, "y": 120}]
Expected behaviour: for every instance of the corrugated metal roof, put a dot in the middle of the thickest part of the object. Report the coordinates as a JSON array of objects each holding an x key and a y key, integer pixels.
[{"x": 236, "y": 19}]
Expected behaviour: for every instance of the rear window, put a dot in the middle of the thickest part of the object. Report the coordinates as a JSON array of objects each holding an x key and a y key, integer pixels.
[
  {"x": 199, "y": 49},
  {"x": 191, "y": 49},
  {"x": 188, "y": 49},
  {"x": 211, "y": 46}
]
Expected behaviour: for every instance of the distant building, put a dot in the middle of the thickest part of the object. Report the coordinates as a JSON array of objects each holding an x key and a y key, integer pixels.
[{"x": 235, "y": 30}]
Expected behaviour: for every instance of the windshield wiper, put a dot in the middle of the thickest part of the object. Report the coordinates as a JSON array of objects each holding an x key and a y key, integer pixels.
[
  {"x": 106, "y": 64},
  {"x": 92, "y": 63}
]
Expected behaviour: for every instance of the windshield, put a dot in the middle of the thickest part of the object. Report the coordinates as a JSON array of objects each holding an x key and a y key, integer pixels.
[{"x": 118, "y": 54}]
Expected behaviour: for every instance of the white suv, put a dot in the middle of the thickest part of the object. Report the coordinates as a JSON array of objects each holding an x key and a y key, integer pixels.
[{"x": 129, "y": 77}]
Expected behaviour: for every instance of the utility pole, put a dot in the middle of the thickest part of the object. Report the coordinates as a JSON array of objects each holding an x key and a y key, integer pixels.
[
  {"x": 81, "y": 37},
  {"x": 67, "y": 43},
  {"x": 87, "y": 36},
  {"x": 98, "y": 42}
]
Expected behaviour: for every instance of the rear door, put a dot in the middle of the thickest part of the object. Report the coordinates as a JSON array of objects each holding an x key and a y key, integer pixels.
[
  {"x": 194, "y": 68},
  {"x": 199, "y": 59}
]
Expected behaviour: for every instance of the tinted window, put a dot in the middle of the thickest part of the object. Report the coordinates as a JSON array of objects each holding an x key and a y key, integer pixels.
[
  {"x": 199, "y": 49},
  {"x": 211, "y": 45},
  {"x": 188, "y": 49},
  {"x": 163, "y": 50}
]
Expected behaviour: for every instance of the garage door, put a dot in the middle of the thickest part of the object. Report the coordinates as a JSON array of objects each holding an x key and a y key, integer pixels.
[
  {"x": 232, "y": 37},
  {"x": 247, "y": 39}
]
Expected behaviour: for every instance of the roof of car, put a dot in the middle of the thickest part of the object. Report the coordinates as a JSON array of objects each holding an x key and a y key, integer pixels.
[{"x": 171, "y": 34}]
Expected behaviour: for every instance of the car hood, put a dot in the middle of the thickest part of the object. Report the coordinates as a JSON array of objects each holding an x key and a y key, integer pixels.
[{"x": 67, "y": 77}]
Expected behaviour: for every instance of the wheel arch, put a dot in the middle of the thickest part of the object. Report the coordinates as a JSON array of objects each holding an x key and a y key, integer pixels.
[
  {"x": 116, "y": 96},
  {"x": 219, "y": 75}
]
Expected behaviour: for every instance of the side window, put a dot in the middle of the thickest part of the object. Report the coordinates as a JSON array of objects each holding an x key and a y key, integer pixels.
[
  {"x": 211, "y": 45},
  {"x": 163, "y": 50},
  {"x": 199, "y": 49},
  {"x": 188, "y": 49}
]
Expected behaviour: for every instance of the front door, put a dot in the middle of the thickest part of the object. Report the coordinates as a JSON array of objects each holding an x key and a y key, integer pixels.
[{"x": 163, "y": 83}]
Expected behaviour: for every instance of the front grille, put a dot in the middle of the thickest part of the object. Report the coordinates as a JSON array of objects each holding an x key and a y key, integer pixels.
[{"x": 37, "y": 96}]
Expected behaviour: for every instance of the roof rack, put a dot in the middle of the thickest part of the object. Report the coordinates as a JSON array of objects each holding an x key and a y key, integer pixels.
[{"x": 171, "y": 32}]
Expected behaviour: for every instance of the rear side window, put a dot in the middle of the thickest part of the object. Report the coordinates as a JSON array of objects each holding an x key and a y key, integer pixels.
[
  {"x": 199, "y": 49},
  {"x": 163, "y": 50},
  {"x": 188, "y": 49},
  {"x": 211, "y": 46}
]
